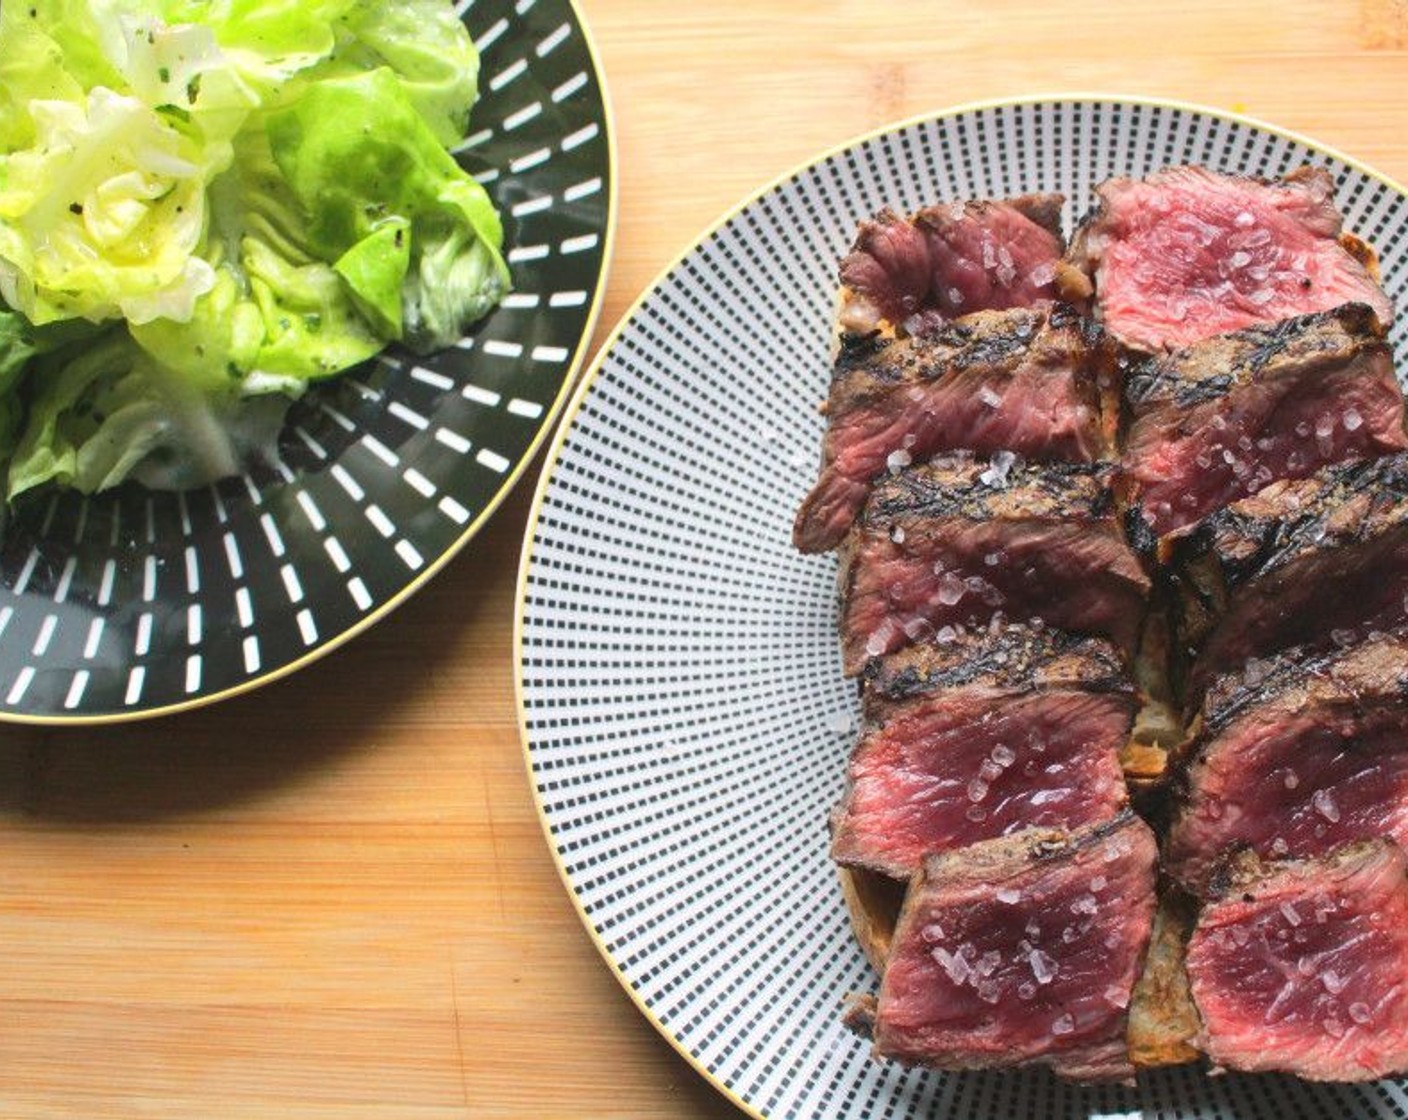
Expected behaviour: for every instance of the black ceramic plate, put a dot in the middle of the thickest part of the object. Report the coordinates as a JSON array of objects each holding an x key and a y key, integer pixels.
[{"x": 133, "y": 603}]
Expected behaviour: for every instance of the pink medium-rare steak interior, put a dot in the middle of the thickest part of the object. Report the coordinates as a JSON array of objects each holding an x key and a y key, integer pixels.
[
  {"x": 952, "y": 260},
  {"x": 1301, "y": 753},
  {"x": 1189, "y": 253},
  {"x": 1022, "y": 950},
  {"x": 997, "y": 743},
  {"x": 959, "y": 543},
  {"x": 1224, "y": 418},
  {"x": 1301, "y": 967},
  {"x": 1019, "y": 380}
]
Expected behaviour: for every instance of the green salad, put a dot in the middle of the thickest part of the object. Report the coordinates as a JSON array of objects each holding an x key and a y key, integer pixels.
[{"x": 205, "y": 205}]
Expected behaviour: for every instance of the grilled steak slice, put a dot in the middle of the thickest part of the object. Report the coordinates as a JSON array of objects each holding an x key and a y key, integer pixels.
[
  {"x": 988, "y": 735},
  {"x": 952, "y": 260},
  {"x": 961, "y": 540},
  {"x": 1188, "y": 253},
  {"x": 1021, "y": 380},
  {"x": 1220, "y": 419},
  {"x": 1022, "y": 950},
  {"x": 1303, "y": 562},
  {"x": 1299, "y": 755},
  {"x": 1300, "y": 966}
]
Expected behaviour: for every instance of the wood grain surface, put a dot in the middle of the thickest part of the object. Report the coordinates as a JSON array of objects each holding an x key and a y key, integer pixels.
[{"x": 332, "y": 898}]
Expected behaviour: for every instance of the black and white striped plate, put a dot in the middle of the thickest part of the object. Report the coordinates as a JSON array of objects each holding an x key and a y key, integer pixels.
[
  {"x": 682, "y": 703},
  {"x": 134, "y": 603}
]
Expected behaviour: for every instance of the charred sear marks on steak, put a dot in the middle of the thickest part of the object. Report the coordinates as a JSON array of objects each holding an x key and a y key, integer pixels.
[
  {"x": 1022, "y": 950},
  {"x": 1298, "y": 967},
  {"x": 1188, "y": 253},
  {"x": 1025, "y": 381},
  {"x": 952, "y": 260},
  {"x": 1316, "y": 562},
  {"x": 1298, "y": 754},
  {"x": 965, "y": 542},
  {"x": 1220, "y": 420},
  {"x": 1024, "y": 733},
  {"x": 1013, "y": 659}
]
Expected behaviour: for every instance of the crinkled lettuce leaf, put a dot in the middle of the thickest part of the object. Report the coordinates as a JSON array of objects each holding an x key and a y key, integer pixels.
[
  {"x": 366, "y": 167},
  {"x": 105, "y": 410},
  {"x": 229, "y": 199}
]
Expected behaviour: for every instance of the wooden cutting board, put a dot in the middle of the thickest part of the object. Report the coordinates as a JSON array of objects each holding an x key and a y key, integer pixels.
[{"x": 331, "y": 898}]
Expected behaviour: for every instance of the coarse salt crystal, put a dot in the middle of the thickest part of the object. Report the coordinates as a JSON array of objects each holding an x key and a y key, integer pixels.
[
  {"x": 1003, "y": 755},
  {"x": 990, "y": 991},
  {"x": 977, "y": 789},
  {"x": 947, "y": 635},
  {"x": 1008, "y": 895},
  {"x": 1352, "y": 419},
  {"x": 976, "y": 813},
  {"x": 932, "y": 932},
  {"x": 1324, "y": 425},
  {"x": 1292, "y": 779},
  {"x": 951, "y": 589},
  {"x": 989, "y": 397},
  {"x": 1026, "y": 990},
  {"x": 1042, "y": 966},
  {"x": 1244, "y": 219},
  {"x": 1064, "y": 1025},
  {"x": 1290, "y": 913},
  {"x": 1334, "y": 1028},
  {"x": 998, "y": 467},
  {"x": 954, "y": 964},
  {"x": 1360, "y": 1012},
  {"x": 897, "y": 534},
  {"x": 1325, "y": 805},
  {"x": 1099, "y": 883},
  {"x": 898, "y": 459},
  {"x": 989, "y": 771},
  {"x": 1086, "y": 904},
  {"x": 1333, "y": 981}
]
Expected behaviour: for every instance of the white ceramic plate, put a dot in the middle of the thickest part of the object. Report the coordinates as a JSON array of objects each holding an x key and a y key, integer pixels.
[{"x": 683, "y": 708}]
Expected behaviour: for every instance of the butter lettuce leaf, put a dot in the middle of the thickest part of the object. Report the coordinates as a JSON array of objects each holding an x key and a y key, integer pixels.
[
  {"x": 360, "y": 160},
  {"x": 205, "y": 205}
]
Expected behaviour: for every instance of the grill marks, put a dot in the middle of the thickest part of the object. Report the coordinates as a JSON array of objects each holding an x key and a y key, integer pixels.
[
  {"x": 1303, "y": 563},
  {"x": 1222, "y": 419},
  {"x": 1301, "y": 754},
  {"x": 1024, "y": 380},
  {"x": 944, "y": 546},
  {"x": 996, "y": 561}
]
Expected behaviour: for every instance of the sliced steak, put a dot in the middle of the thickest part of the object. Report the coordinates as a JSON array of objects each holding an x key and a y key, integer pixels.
[
  {"x": 1221, "y": 419},
  {"x": 988, "y": 735},
  {"x": 1306, "y": 562},
  {"x": 962, "y": 540},
  {"x": 1022, "y": 950},
  {"x": 1300, "y": 967},
  {"x": 1300, "y": 754},
  {"x": 1021, "y": 380},
  {"x": 1189, "y": 253},
  {"x": 952, "y": 260}
]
